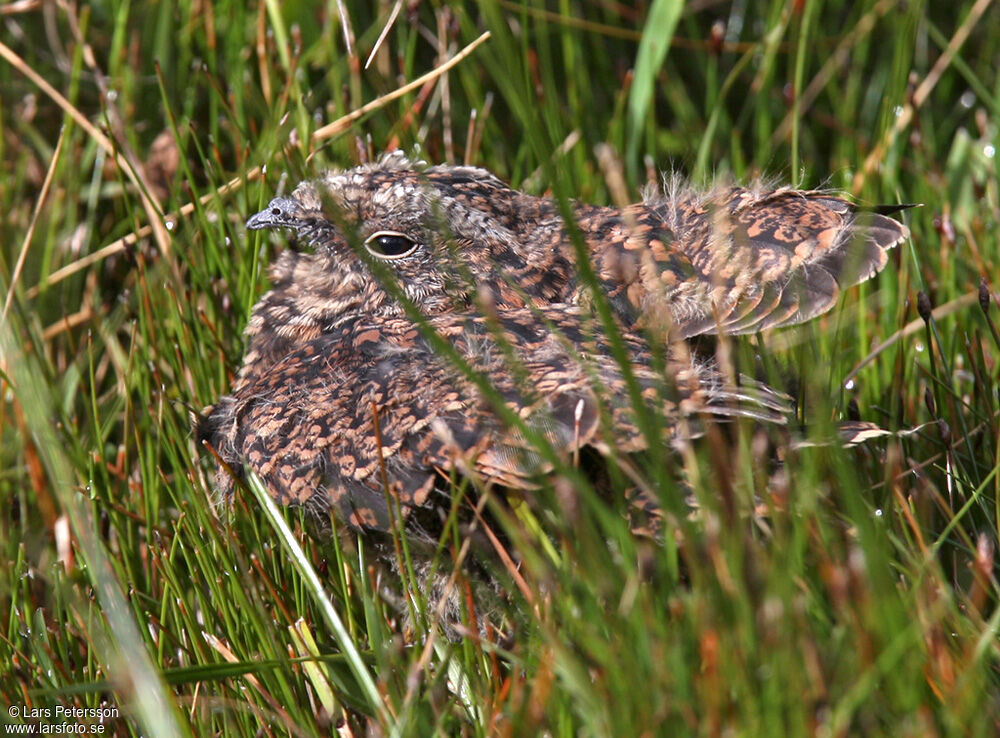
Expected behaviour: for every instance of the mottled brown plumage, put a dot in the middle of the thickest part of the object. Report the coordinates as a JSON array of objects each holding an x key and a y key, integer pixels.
[
  {"x": 307, "y": 423},
  {"x": 494, "y": 270}
]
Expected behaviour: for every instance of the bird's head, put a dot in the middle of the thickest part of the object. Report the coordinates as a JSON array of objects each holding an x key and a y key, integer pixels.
[{"x": 441, "y": 233}]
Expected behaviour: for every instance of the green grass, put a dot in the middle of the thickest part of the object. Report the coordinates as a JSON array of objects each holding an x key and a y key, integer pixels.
[{"x": 850, "y": 591}]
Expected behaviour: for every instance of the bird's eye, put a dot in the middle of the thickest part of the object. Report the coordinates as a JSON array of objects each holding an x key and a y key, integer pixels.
[{"x": 390, "y": 245}]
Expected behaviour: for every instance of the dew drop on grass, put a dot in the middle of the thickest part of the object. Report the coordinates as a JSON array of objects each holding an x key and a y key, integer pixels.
[
  {"x": 849, "y": 384},
  {"x": 989, "y": 151},
  {"x": 968, "y": 99}
]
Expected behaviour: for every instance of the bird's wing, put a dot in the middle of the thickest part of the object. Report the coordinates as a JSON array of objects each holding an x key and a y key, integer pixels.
[
  {"x": 371, "y": 417},
  {"x": 740, "y": 260}
]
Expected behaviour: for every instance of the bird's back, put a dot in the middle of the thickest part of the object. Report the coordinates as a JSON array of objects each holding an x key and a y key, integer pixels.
[{"x": 735, "y": 260}]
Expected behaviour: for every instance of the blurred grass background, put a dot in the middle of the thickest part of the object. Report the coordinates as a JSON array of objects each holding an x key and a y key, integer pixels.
[{"x": 846, "y": 591}]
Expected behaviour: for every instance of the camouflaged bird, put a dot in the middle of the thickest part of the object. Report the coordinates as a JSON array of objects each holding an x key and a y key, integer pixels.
[{"x": 342, "y": 397}]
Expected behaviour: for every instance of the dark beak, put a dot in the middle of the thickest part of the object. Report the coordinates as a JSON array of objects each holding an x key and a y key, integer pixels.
[{"x": 281, "y": 212}]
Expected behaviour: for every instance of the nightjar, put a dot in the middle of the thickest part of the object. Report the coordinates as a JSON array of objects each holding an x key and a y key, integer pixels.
[{"x": 346, "y": 400}]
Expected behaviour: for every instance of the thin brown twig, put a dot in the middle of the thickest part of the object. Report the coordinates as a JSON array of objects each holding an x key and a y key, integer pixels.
[
  {"x": 68, "y": 322},
  {"x": 20, "y": 6},
  {"x": 385, "y": 32},
  {"x": 473, "y": 148},
  {"x": 119, "y": 245},
  {"x": 342, "y": 124},
  {"x": 470, "y": 136},
  {"x": 152, "y": 212},
  {"x": 345, "y": 24},
  {"x": 915, "y": 326},
  {"x": 447, "y": 134},
  {"x": 39, "y": 204},
  {"x": 533, "y": 180},
  {"x": 260, "y": 48}
]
